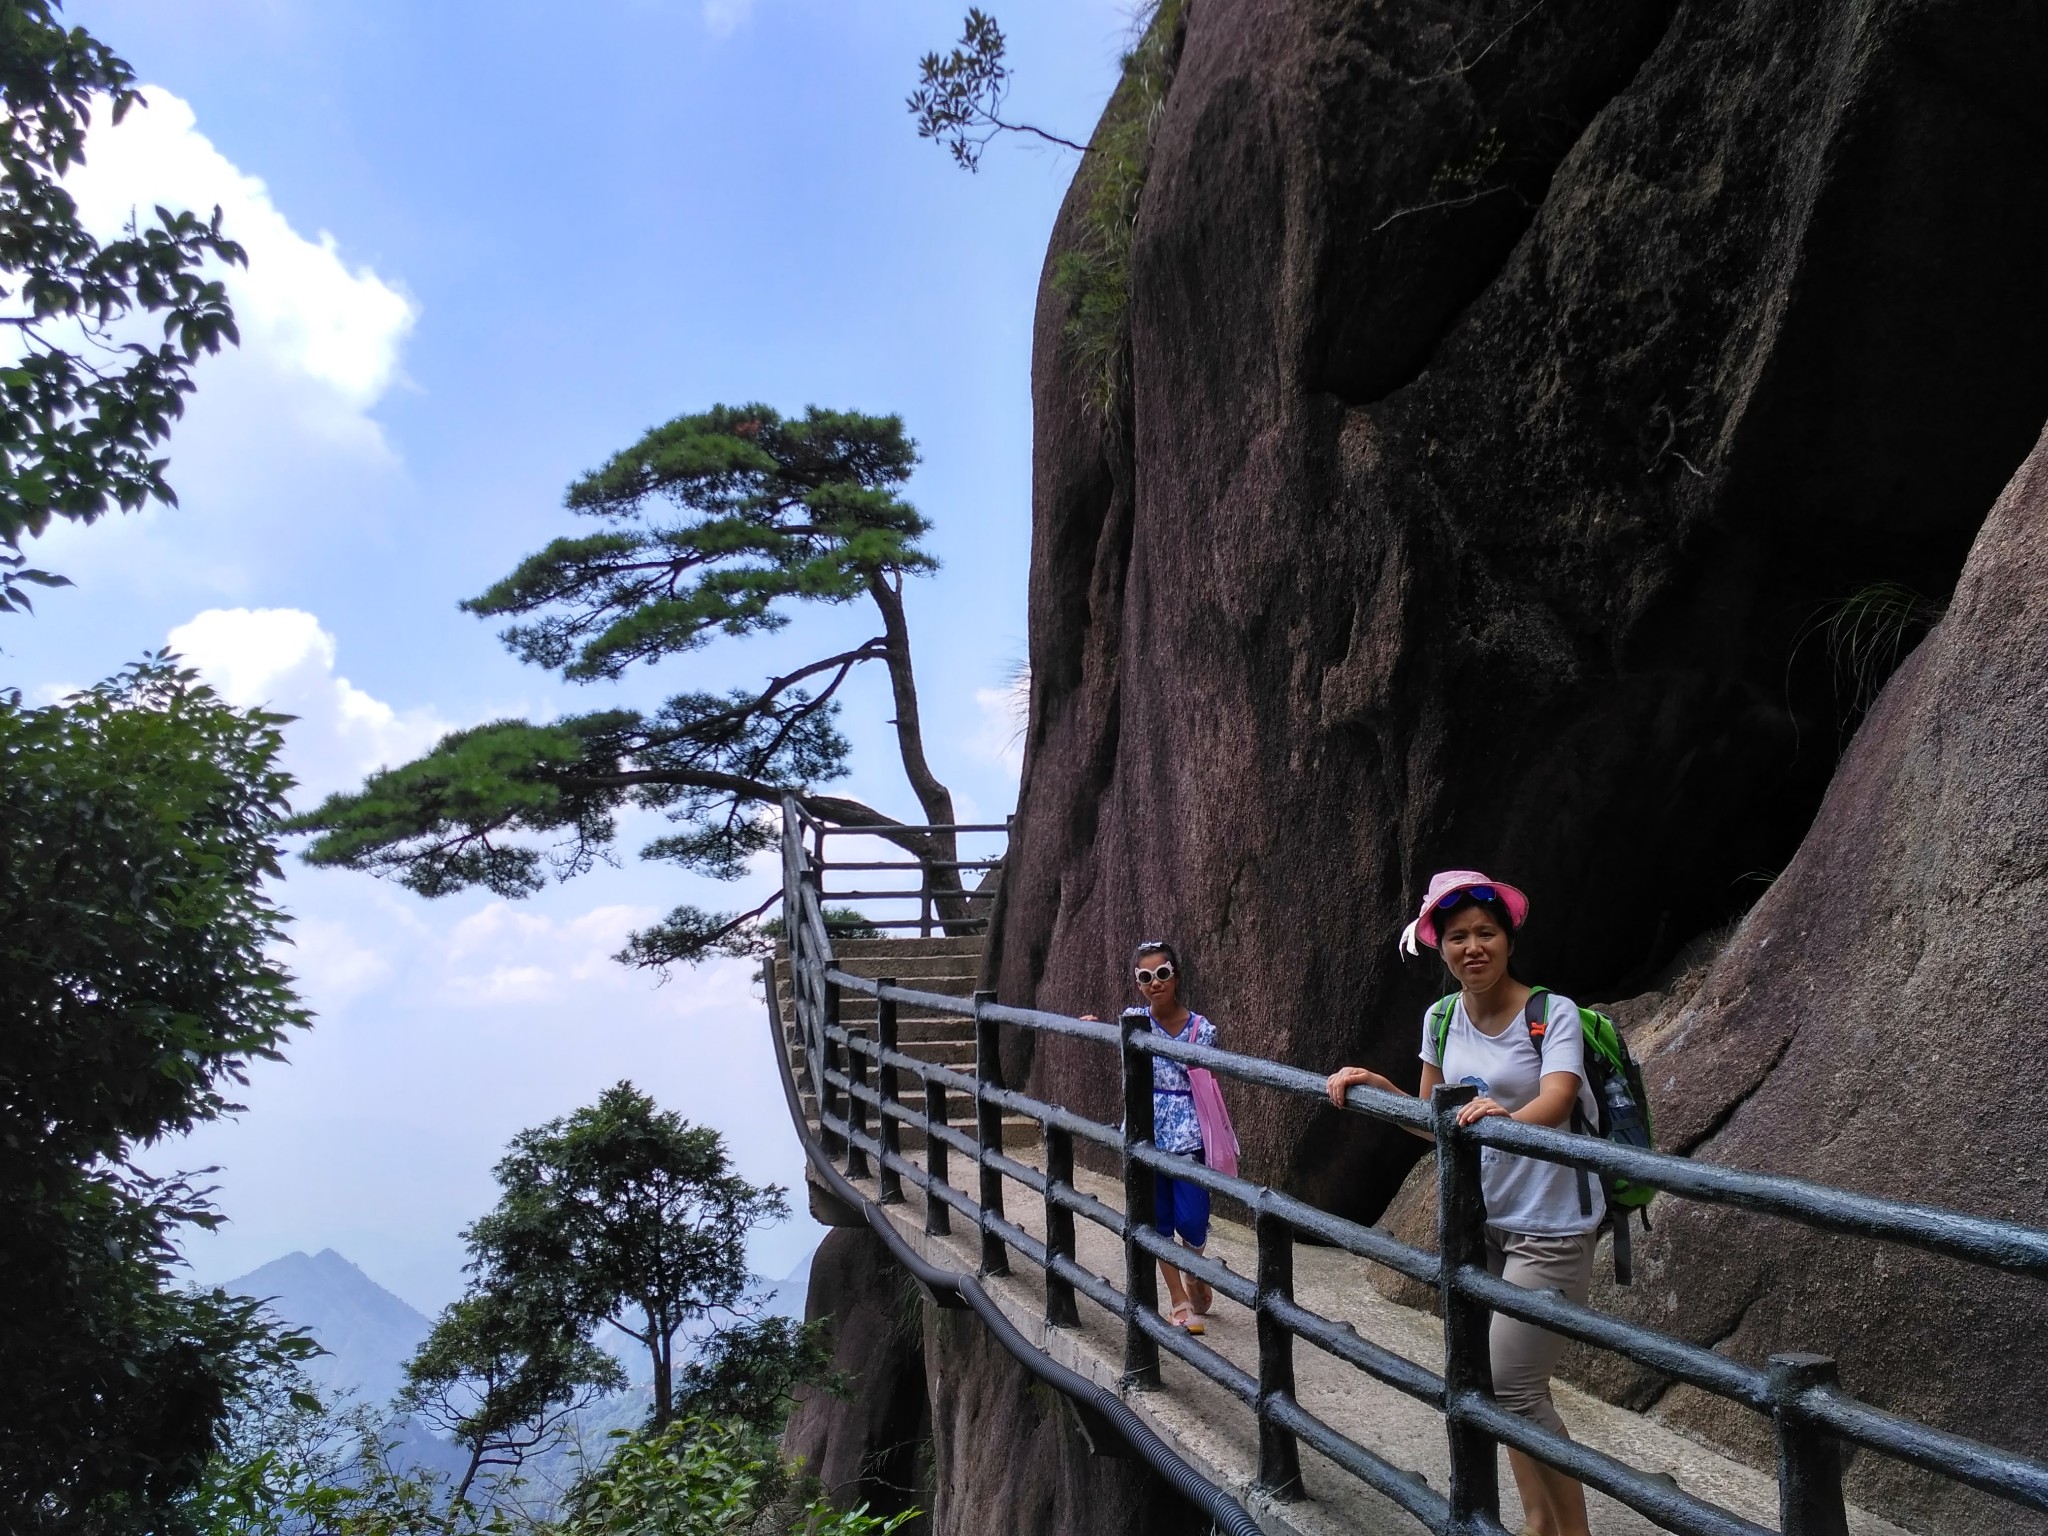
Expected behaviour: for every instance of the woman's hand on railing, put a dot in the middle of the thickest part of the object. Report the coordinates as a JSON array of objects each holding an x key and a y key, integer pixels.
[
  {"x": 1344, "y": 1079},
  {"x": 1479, "y": 1109}
]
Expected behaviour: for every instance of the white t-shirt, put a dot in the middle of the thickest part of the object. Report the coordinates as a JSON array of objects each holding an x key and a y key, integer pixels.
[{"x": 1523, "y": 1194}]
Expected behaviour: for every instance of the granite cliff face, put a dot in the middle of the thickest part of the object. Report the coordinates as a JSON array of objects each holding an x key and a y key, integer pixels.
[
  {"x": 1871, "y": 1023},
  {"x": 1506, "y": 391},
  {"x": 937, "y": 1417}
]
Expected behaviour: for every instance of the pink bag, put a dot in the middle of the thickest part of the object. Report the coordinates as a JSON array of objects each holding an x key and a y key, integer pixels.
[{"x": 1219, "y": 1138}]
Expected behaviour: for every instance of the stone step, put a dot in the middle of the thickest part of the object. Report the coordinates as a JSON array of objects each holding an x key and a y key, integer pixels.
[
  {"x": 956, "y": 985},
  {"x": 908, "y": 1031},
  {"x": 957, "y": 1054},
  {"x": 856, "y": 949},
  {"x": 908, "y": 969}
]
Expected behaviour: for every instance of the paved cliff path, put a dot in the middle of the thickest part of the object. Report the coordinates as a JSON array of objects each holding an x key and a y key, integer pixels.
[{"x": 1214, "y": 1432}]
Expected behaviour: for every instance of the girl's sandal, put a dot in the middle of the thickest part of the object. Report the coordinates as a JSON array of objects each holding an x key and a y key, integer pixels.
[{"x": 1184, "y": 1318}]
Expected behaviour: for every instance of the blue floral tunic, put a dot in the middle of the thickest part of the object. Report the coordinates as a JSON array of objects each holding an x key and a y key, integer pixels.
[{"x": 1174, "y": 1127}]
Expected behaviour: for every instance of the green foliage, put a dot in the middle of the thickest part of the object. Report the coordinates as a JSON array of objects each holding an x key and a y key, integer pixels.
[
  {"x": 702, "y": 1478},
  {"x": 1094, "y": 273},
  {"x": 748, "y": 1373},
  {"x": 715, "y": 524},
  {"x": 83, "y": 407},
  {"x": 626, "y": 1214},
  {"x": 1867, "y": 635},
  {"x": 500, "y": 1378},
  {"x": 715, "y": 521},
  {"x": 137, "y": 826}
]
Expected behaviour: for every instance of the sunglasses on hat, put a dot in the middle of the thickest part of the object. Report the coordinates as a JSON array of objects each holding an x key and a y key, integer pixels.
[
  {"x": 1467, "y": 893},
  {"x": 1163, "y": 971}
]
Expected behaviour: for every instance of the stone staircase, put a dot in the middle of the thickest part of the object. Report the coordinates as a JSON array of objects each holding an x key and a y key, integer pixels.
[{"x": 949, "y": 967}]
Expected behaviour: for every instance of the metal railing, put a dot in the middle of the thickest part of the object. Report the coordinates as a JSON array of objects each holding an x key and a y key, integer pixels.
[
  {"x": 947, "y": 903},
  {"x": 1812, "y": 1417}
]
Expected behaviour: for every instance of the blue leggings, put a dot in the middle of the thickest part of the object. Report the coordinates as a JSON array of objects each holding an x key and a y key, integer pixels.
[{"x": 1182, "y": 1207}]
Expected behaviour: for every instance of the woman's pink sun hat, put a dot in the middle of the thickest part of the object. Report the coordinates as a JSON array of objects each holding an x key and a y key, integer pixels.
[{"x": 1454, "y": 882}]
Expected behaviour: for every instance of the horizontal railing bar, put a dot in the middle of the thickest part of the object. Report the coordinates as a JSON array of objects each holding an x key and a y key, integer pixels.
[
  {"x": 830, "y": 830},
  {"x": 1407, "y": 1489},
  {"x": 1362, "y": 1241},
  {"x": 1664, "y": 1502},
  {"x": 1181, "y": 1344},
  {"x": 1980, "y": 1240},
  {"x": 2008, "y": 1475},
  {"x": 913, "y": 894},
  {"x": 843, "y": 924},
  {"x": 826, "y": 866},
  {"x": 1053, "y": 1115},
  {"x": 1688, "y": 1362},
  {"x": 1225, "y": 1280},
  {"x": 1096, "y": 1288},
  {"x": 1069, "y": 1198},
  {"x": 1378, "y": 1362},
  {"x": 1393, "y": 1108}
]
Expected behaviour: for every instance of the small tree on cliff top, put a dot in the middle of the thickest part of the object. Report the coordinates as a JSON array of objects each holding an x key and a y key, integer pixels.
[{"x": 713, "y": 524}]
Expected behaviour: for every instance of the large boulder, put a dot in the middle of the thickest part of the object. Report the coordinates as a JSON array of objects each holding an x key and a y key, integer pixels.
[
  {"x": 1506, "y": 390},
  {"x": 868, "y": 1441},
  {"x": 931, "y": 1413},
  {"x": 1873, "y": 1023}
]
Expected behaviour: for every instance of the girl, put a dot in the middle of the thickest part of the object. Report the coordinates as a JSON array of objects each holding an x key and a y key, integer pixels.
[
  {"x": 1179, "y": 1208},
  {"x": 1541, "y": 1224}
]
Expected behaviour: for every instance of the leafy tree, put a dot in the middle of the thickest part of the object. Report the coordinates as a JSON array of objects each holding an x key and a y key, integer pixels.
[
  {"x": 959, "y": 96},
  {"x": 712, "y": 525},
  {"x": 748, "y": 1373},
  {"x": 137, "y": 826},
  {"x": 625, "y": 1214},
  {"x": 702, "y": 1478},
  {"x": 84, "y": 405},
  {"x": 500, "y": 1387}
]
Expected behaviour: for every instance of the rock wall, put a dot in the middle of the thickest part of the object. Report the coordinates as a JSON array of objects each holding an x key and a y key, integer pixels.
[
  {"x": 1507, "y": 391},
  {"x": 1872, "y": 1023},
  {"x": 936, "y": 1416}
]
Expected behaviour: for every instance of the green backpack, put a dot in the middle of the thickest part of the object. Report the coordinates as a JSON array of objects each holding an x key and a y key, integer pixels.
[{"x": 1617, "y": 1083}]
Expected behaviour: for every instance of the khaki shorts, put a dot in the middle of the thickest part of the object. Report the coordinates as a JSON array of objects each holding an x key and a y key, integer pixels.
[{"x": 1524, "y": 1356}]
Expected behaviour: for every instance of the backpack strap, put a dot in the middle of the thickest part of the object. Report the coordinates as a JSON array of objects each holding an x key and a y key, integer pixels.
[
  {"x": 1536, "y": 1016},
  {"x": 1440, "y": 1024}
]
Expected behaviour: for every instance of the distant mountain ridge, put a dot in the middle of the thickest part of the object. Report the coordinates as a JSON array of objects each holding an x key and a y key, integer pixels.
[{"x": 368, "y": 1333}]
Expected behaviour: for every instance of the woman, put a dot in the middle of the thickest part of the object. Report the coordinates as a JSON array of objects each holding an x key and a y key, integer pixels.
[
  {"x": 1541, "y": 1223},
  {"x": 1179, "y": 1207}
]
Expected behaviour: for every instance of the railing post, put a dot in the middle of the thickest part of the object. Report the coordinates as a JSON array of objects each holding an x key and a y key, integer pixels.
[
  {"x": 1468, "y": 1365},
  {"x": 1141, "y": 1279},
  {"x": 1279, "y": 1454},
  {"x": 1809, "y": 1459},
  {"x": 856, "y": 1106},
  {"x": 1060, "y": 1310},
  {"x": 889, "y": 1181},
  {"x": 988, "y": 1125},
  {"x": 938, "y": 1216},
  {"x": 828, "y": 1091}
]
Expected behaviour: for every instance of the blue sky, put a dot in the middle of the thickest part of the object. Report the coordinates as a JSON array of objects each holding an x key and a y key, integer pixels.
[{"x": 489, "y": 245}]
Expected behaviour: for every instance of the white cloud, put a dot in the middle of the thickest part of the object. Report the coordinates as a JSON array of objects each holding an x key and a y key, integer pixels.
[
  {"x": 282, "y": 659},
  {"x": 723, "y": 17},
  {"x": 507, "y": 955},
  {"x": 331, "y": 964},
  {"x": 321, "y": 340},
  {"x": 1005, "y": 712}
]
